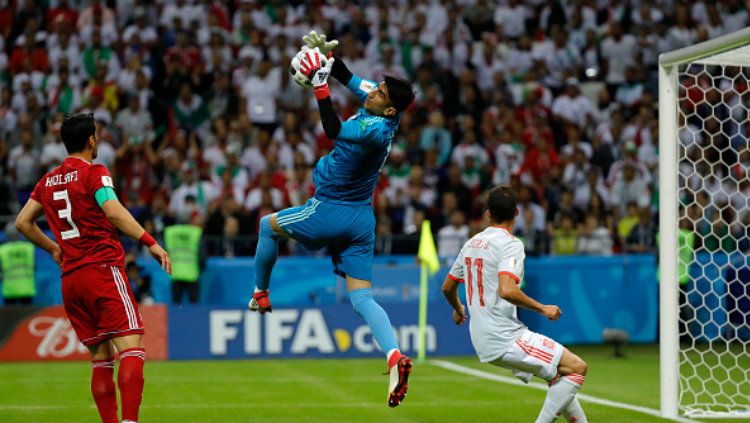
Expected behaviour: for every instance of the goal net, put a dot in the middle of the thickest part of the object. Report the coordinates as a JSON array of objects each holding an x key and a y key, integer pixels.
[{"x": 704, "y": 181}]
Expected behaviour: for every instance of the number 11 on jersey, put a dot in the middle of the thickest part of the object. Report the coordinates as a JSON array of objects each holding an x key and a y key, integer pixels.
[{"x": 480, "y": 288}]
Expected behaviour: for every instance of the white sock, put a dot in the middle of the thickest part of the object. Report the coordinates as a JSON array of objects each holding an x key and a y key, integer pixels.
[
  {"x": 559, "y": 395},
  {"x": 573, "y": 413}
]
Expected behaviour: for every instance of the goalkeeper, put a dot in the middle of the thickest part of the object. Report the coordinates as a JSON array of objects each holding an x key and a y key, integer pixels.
[{"x": 340, "y": 214}]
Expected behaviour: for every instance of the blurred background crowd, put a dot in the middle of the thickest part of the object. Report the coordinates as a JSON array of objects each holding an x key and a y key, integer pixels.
[{"x": 200, "y": 123}]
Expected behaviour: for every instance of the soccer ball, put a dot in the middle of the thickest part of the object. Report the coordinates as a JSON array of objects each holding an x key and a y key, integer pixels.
[{"x": 294, "y": 68}]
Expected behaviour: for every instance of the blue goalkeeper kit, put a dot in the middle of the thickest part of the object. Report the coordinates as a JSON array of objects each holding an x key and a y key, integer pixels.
[{"x": 340, "y": 215}]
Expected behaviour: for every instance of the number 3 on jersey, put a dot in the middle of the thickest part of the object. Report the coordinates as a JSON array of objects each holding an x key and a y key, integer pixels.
[
  {"x": 66, "y": 213},
  {"x": 480, "y": 288}
]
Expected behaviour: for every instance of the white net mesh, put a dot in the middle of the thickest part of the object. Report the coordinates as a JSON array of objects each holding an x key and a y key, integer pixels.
[{"x": 714, "y": 213}]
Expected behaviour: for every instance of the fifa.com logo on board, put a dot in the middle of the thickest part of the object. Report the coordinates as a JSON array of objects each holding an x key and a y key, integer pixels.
[{"x": 301, "y": 332}]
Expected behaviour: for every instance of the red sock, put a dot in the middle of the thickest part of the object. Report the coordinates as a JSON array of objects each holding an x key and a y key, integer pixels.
[
  {"x": 130, "y": 382},
  {"x": 103, "y": 389}
]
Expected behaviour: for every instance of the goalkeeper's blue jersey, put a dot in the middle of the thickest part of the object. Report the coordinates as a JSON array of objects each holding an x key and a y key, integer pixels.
[{"x": 348, "y": 174}]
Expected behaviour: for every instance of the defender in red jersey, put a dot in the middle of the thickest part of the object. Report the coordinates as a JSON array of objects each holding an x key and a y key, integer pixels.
[{"x": 80, "y": 204}]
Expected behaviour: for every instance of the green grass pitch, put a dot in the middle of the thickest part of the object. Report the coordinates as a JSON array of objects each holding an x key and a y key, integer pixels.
[{"x": 351, "y": 390}]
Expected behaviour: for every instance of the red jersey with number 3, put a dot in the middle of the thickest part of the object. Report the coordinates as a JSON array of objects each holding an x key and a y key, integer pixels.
[{"x": 84, "y": 233}]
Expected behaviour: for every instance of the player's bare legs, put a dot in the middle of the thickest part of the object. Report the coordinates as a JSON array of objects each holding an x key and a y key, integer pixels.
[
  {"x": 399, "y": 366},
  {"x": 265, "y": 258},
  {"x": 571, "y": 364},
  {"x": 562, "y": 390},
  {"x": 130, "y": 374},
  {"x": 102, "y": 381}
]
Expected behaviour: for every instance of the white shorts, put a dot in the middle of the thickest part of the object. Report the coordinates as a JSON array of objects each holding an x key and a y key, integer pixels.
[{"x": 532, "y": 353}]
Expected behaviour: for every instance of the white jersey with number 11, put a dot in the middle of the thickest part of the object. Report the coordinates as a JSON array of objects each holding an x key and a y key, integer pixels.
[{"x": 493, "y": 324}]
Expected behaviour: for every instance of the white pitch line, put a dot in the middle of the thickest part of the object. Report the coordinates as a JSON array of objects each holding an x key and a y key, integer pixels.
[
  {"x": 542, "y": 387},
  {"x": 243, "y": 405}
]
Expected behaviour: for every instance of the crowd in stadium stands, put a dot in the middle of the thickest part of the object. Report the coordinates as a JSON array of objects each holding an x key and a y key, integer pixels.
[{"x": 200, "y": 122}]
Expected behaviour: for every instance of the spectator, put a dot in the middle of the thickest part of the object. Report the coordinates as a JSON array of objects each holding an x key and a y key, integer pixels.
[
  {"x": 525, "y": 201},
  {"x": 8, "y": 117},
  {"x": 566, "y": 207},
  {"x": 564, "y": 237},
  {"x": 469, "y": 148},
  {"x": 53, "y": 150},
  {"x": 30, "y": 53},
  {"x": 560, "y": 59},
  {"x": 619, "y": 51},
  {"x": 140, "y": 28},
  {"x": 299, "y": 186},
  {"x": 23, "y": 163},
  {"x": 62, "y": 14},
  {"x": 628, "y": 221},
  {"x": 509, "y": 158},
  {"x": 593, "y": 187},
  {"x": 574, "y": 143},
  {"x": 540, "y": 159},
  {"x": 512, "y": 18},
  {"x": 629, "y": 159},
  {"x": 64, "y": 94},
  {"x": 240, "y": 180},
  {"x": 192, "y": 196},
  {"x": 134, "y": 124},
  {"x": 594, "y": 238},
  {"x": 99, "y": 54},
  {"x": 398, "y": 170},
  {"x": 534, "y": 240},
  {"x": 89, "y": 14},
  {"x": 682, "y": 31},
  {"x": 573, "y": 107},
  {"x": 264, "y": 195},
  {"x": 260, "y": 92},
  {"x": 629, "y": 94},
  {"x": 576, "y": 171},
  {"x": 453, "y": 236},
  {"x": 642, "y": 238},
  {"x": 140, "y": 281},
  {"x": 630, "y": 188},
  {"x": 232, "y": 243},
  {"x": 190, "y": 110},
  {"x": 435, "y": 136}
]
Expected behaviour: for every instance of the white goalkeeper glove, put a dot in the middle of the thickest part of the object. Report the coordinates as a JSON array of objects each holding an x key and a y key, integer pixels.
[
  {"x": 317, "y": 67},
  {"x": 313, "y": 40}
]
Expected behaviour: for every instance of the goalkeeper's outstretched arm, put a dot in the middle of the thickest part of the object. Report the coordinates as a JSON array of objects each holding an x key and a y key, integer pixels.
[
  {"x": 331, "y": 122},
  {"x": 358, "y": 86},
  {"x": 341, "y": 72},
  {"x": 318, "y": 69}
]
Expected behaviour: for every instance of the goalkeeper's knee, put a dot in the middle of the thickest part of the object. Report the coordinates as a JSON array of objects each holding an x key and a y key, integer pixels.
[{"x": 265, "y": 229}]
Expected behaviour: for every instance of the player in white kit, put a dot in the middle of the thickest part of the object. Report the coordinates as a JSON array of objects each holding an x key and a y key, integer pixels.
[{"x": 491, "y": 265}]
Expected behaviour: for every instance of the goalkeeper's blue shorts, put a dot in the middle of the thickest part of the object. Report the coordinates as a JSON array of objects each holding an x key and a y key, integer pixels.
[{"x": 348, "y": 230}]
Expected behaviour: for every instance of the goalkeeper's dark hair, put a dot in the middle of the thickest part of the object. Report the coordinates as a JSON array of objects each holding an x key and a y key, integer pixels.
[
  {"x": 502, "y": 201},
  {"x": 76, "y": 130},
  {"x": 400, "y": 92}
]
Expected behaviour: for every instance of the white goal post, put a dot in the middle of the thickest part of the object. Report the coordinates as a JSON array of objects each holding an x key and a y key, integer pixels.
[{"x": 704, "y": 106}]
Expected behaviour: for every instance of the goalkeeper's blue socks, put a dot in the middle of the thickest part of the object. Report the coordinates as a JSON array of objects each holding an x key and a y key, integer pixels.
[
  {"x": 377, "y": 319},
  {"x": 265, "y": 254}
]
